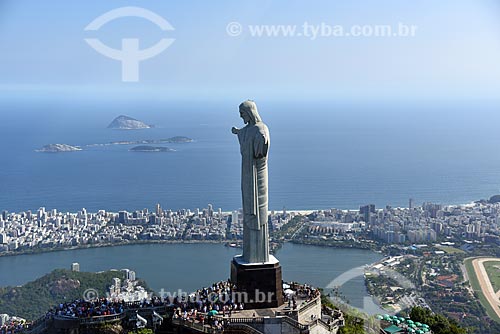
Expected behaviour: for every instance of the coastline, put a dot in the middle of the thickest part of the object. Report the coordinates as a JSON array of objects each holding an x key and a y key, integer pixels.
[
  {"x": 146, "y": 242},
  {"x": 113, "y": 244},
  {"x": 374, "y": 246},
  {"x": 275, "y": 244}
]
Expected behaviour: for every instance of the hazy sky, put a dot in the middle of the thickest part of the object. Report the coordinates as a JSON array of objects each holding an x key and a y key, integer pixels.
[{"x": 455, "y": 52}]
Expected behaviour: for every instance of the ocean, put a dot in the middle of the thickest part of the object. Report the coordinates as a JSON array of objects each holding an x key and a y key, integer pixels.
[{"x": 323, "y": 154}]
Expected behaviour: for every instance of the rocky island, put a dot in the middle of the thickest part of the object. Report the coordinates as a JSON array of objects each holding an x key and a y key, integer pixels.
[
  {"x": 146, "y": 148},
  {"x": 177, "y": 140},
  {"x": 123, "y": 122},
  {"x": 56, "y": 148}
]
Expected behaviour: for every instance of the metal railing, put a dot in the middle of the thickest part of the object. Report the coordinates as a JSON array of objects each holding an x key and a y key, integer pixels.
[
  {"x": 258, "y": 320},
  {"x": 242, "y": 328},
  {"x": 194, "y": 325},
  {"x": 101, "y": 319},
  {"x": 309, "y": 305},
  {"x": 38, "y": 326},
  {"x": 320, "y": 322},
  {"x": 302, "y": 328}
]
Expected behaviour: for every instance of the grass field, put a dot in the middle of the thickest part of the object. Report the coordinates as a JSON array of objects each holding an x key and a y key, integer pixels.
[
  {"x": 493, "y": 270},
  {"x": 451, "y": 250},
  {"x": 475, "y": 286}
]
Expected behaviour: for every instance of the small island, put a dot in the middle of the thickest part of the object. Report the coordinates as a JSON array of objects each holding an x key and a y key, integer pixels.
[
  {"x": 177, "y": 140},
  {"x": 57, "y": 148},
  {"x": 145, "y": 148},
  {"x": 123, "y": 122},
  {"x": 174, "y": 140}
]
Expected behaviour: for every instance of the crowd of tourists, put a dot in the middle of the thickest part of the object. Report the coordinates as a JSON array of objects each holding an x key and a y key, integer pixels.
[
  {"x": 305, "y": 291},
  {"x": 12, "y": 327},
  {"x": 302, "y": 292},
  {"x": 84, "y": 309},
  {"x": 210, "y": 306},
  {"x": 219, "y": 299}
]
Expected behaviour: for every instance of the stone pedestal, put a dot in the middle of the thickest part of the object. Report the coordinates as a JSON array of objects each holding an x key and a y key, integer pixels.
[{"x": 258, "y": 285}]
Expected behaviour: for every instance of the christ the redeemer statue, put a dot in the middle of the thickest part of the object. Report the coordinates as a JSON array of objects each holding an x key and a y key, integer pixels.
[
  {"x": 255, "y": 271},
  {"x": 254, "y": 147}
]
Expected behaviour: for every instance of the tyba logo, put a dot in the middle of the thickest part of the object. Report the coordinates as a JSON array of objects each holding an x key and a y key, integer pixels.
[{"x": 130, "y": 55}]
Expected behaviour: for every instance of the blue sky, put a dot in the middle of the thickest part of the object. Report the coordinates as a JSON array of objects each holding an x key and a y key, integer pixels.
[{"x": 455, "y": 53}]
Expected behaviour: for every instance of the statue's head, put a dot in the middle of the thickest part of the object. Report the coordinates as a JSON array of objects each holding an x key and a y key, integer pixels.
[{"x": 249, "y": 113}]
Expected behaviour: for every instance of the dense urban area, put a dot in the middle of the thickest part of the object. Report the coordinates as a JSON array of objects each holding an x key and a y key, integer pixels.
[{"x": 426, "y": 246}]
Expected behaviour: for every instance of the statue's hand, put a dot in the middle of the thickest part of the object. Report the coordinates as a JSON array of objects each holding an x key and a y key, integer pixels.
[{"x": 235, "y": 130}]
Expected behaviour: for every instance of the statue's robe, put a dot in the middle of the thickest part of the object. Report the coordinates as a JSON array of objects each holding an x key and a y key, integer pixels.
[{"x": 254, "y": 147}]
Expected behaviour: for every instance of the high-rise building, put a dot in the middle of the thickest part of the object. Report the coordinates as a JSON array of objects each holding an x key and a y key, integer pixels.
[
  {"x": 390, "y": 237},
  {"x": 430, "y": 234},
  {"x": 234, "y": 218},
  {"x": 366, "y": 210},
  {"x": 117, "y": 285},
  {"x": 410, "y": 203},
  {"x": 126, "y": 272},
  {"x": 83, "y": 216},
  {"x": 401, "y": 237},
  {"x": 470, "y": 230},
  {"x": 40, "y": 213},
  {"x": 432, "y": 209},
  {"x": 477, "y": 229},
  {"x": 122, "y": 217},
  {"x": 437, "y": 226},
  {"x": 423, "y": 235}
]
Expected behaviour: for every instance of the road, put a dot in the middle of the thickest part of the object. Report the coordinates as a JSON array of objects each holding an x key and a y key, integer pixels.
[
  {"x": 297, "y": 231},
  {"x": 464, "y": 273}
]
